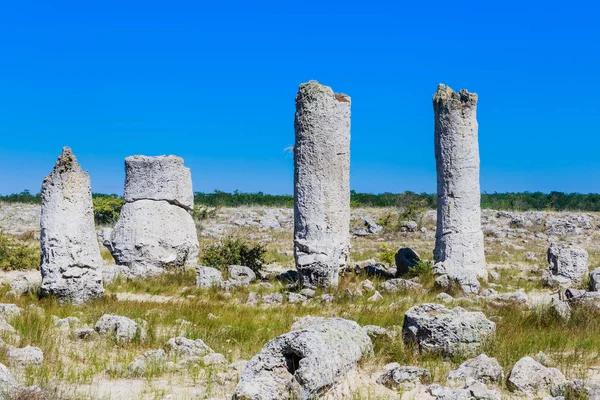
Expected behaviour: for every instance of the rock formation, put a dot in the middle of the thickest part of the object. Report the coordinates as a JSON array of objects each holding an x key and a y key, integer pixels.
[
  {"x": 321, "y": 184},
  {"x": 567, "y": 265},
  {"x": 71, "y": 261},
  {"x": 459, "y": 252},
  {"x": 155, "y": 231},
  {"x": 302, "y": 364}
]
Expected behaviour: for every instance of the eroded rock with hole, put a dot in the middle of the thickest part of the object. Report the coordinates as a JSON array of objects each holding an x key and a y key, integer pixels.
[
  {"x": 304, "y": 363},
  {"x": 321, "y": 184},
  {"x": 208, "y": 277},
  {"x": 70, "y": 261},
  {"x": 437, "y": 329},
  {"x": 459, "y": 251}
]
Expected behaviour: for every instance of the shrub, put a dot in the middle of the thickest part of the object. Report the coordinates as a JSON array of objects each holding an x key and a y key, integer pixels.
[
  {"x": 234, "y": 251},
  {"x": 17, "y": 255},
  {"x": 386, "y": 255},
  {"x": 201, "y": 213},
  {"x": 107, "y": 209}
]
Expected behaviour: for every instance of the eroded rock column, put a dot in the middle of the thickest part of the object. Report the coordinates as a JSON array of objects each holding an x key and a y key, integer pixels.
[
  {"x": 459, "y": 252},
  {"x": 71, "y": 261},
  {"x": 321, "y": 184},
  {"x": 155, "y": 231}
]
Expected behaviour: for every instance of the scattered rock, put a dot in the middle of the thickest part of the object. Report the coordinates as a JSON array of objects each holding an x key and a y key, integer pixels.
[
  {"x": 208, "y": 277},
  {"x": 405, "y": 378},
  {"x": 239, "y": 273},
  {"x": 151, "y": 359},
  {"x": 532, "y": 378},
  {"x": 376, "y": 297},
  {"x": 274, "y": 298},
  {"x": 481, "y": 369},
  {"x": 375, "y": 331},
  {"x": 24, "y": 357},
  {"x": 567, "y": 262},
  {"x": 437, "y": 329},
  {"x": 187, "y": 350},
  {"x": 123, "y": 328},
  {"x": 214, "y": 359},
  {"x": 562, "y": 308},
  {"x": 302, "y": 363},
  {"x": 399, "y": 285}
]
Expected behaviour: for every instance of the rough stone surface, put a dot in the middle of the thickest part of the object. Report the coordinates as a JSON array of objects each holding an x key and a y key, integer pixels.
[
  {"x": 404, "y": 377},
  {"x": 187, "y": 349},
  {"x": 481, "y": 369},
  {"x": 149, "y": 359},
  {"x": 155, "y": 231},
  {"x": 24, "y": 356},
  {"x": 530, "y": 377},
  {"x": 241, "y": 274},
  {"x": 406, "y": 259},
  {"x": 459, "y": 247},
  {"x": 304, "y": 363},
  {"x": 162, "y": 178},
  {"x": 398, "y": 285},
  {"x": 595, "y": 280},
  {"x": 123, "y": 328},
  {"x": 71, "y": 261},
  {"x": 437, "y": 329},
  {"x": 7, "y": 382},
  {"x": 567, "y": 262},
  {"x": 207, "y": 277},
  {"x": 154, "y": 236},
  {"x": 321, "y": 184}
]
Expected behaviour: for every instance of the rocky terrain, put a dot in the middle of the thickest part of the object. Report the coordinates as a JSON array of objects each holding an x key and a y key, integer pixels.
[{"x": 530, "y": 332}]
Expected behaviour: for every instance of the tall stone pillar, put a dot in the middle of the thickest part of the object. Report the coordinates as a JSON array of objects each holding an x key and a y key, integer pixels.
[
  {"x": 459, "y": 253},
  {"x": 321, "y": 184},
  {"x": 71, "y": 261}
]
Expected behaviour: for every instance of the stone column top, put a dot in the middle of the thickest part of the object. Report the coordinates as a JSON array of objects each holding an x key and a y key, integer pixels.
[
  {"x": 312, "y": 89},
  {"x": 446, "y": 95},
  {"x": 66, "y": 162}
]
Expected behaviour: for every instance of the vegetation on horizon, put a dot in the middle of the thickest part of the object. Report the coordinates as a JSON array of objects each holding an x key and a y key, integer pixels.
[{"x": 522, "y": 201}]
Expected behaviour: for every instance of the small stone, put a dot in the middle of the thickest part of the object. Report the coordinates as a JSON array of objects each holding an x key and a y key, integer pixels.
[
  {"x": 404, "y": 378},
  {"x": 214, "y": 359},
  {"x": 24, "y": 357},
  {"x": 376, "y": 297}
]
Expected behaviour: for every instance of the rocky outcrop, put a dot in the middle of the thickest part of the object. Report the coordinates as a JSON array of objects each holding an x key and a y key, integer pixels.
[
  {"x": 304, "y": 363},
  {"x": 459, "y": 251},
  {"x": 321, "y": 184},
  {"x": 437, "y": 329},
  {"x": 71, "y": 261},
  {"x": 568, "y": 265},
  {"x": 155, "y": 231}
]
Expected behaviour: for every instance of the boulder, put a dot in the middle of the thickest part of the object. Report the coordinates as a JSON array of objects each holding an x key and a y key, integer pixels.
[
  {"x": 481, "y": 369},
  {"x": 70, "y": 255},
  {"x": 123, "y": 328},
  {"x": 208, "y": 277},
  {"x": 532, "y": 378},
  {"x": 404, "y": 378},
  {"x": 406, "y": 259},
  {"x": 595, "y": 280},
  {"x": 239, "y": 273},
  {"x": 304, "y": 363},
  {"x": 399, "y": 285},
  {"x": 187, "y": 350},
  {"x": 567, "y": 262},
  {"x": 24, "y": 357},
  {"x": 7, "y": 382},
  {"x": 437, "y": 329},
  {"x": 149, "y": 360}
]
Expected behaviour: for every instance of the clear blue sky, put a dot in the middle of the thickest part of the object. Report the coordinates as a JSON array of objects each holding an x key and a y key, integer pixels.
[{"x": 215, "y": 83}]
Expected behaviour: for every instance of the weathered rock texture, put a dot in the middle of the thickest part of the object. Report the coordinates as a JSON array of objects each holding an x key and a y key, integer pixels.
[
  {"x": 459, "y": 251},
  {"x": 321, "y": 184},
  {"x": 567, "y": 264},
  {"x": 155, "y": 231},
  {"x": 71, "y": 261},
  {"x": 304, "y": 363},
  {"x": 437, "y": 329}
]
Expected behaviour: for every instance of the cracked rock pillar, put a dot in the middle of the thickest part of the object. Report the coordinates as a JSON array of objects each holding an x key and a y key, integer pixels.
[
  {"x": 321, "y": 184},
  {"x": 155, "y": 231},
  {"x": 70, "y": 262},
  {"x": 459, "y": 251}
]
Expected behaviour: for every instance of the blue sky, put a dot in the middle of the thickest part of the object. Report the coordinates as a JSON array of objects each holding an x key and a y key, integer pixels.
[{"x": 215, "y": 83}]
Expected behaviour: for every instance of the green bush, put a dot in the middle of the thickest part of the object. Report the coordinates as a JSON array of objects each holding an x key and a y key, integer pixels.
[
  {"x": 234, "y": 251},
  {"x": 17, "y": 255},
  {"x": 386, "y": 254},
  {"x": 201, "y": 213},
  {"x": 107, "y": 209}
]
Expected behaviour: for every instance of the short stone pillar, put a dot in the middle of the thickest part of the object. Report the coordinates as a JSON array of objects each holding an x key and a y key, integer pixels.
[
  {"x": 71, "y": 261},
  {"x": 459, "y": 252},
  {"x": 321, "y": 184}
]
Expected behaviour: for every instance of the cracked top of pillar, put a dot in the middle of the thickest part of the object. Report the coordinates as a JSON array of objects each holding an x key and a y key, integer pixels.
[
  {"x": 313, "y": 89},
  {"x": 445, "y": 95},
  {"x": 161, "y": 178},
  {"x": 66, "y": 162}
]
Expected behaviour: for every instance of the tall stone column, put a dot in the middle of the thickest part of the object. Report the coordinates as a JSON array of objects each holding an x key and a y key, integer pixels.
[
  {"x": 71, "y": 261},
  {"x": 459, "y": 253},
  {"x": 321, "y": 184}
]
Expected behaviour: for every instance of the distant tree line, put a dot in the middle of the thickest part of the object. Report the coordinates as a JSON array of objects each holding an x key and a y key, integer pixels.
[{"x": 524, "y": 201}]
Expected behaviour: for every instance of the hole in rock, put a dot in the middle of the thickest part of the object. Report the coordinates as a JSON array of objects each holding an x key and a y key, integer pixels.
[{"x": 292, "y": 362}]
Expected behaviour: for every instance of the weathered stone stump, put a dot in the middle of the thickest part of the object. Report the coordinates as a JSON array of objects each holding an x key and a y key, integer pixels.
[
  {"x": 71, "y": 261},
  {"x": 321, "y": 184},
  {"x": 155, "y": 231},
  {"x": 459, "y": 252}
]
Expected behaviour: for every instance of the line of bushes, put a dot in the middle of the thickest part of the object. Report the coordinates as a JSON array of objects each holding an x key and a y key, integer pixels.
[{"x": 524, "y": 201}]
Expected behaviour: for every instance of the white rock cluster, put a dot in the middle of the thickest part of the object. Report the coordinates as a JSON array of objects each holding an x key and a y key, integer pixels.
[
  {"x": 321, "y": 184},
  {"x": 71, "y": 261}
]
